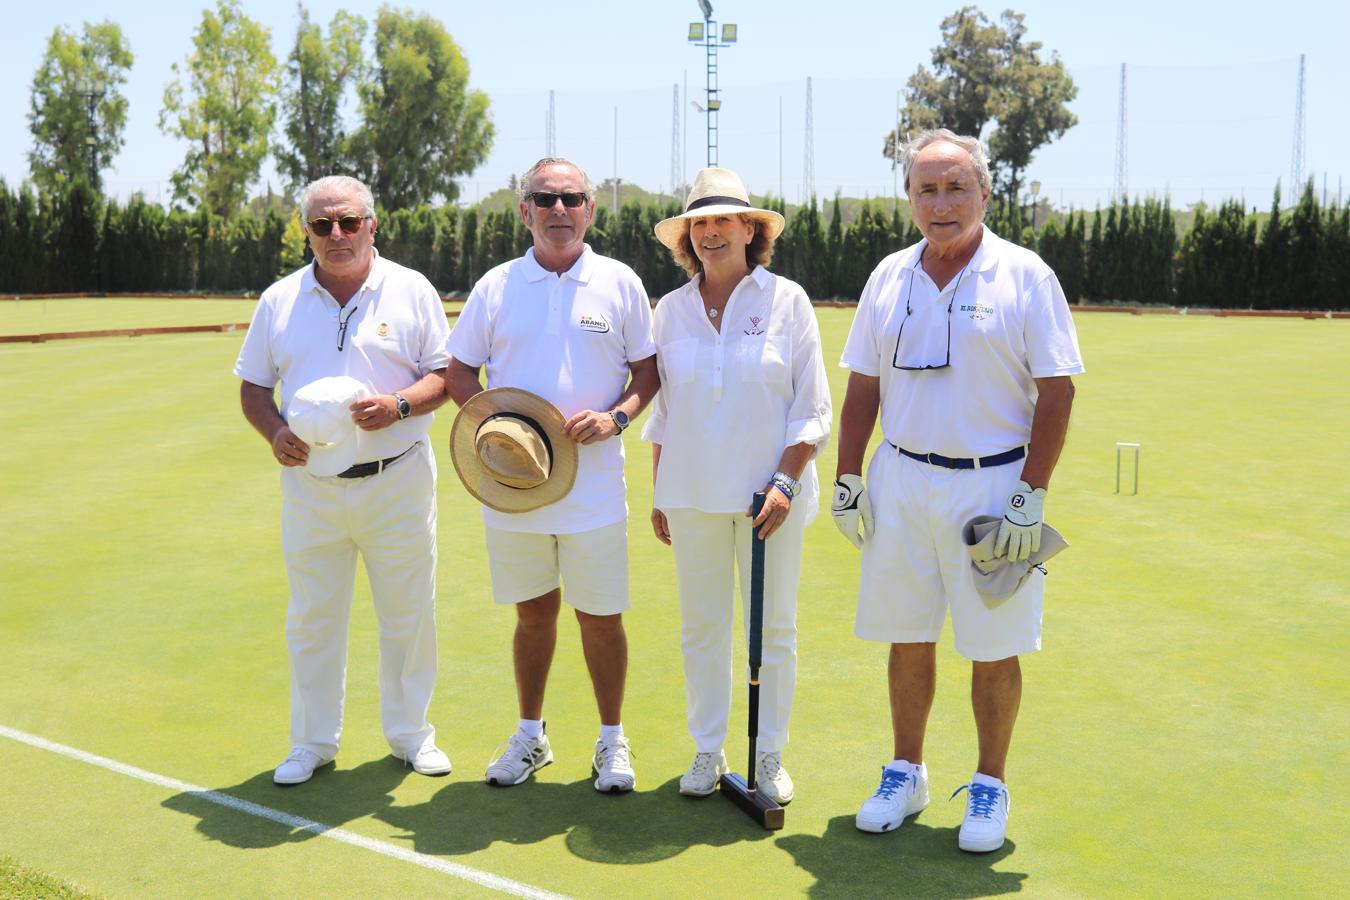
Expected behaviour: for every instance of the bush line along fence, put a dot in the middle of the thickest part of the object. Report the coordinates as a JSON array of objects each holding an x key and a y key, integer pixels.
[{"x": 74, "y": 240}]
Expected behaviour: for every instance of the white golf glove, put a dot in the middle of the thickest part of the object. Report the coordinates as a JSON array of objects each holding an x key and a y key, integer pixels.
[
  {"x": 1020, "y": 531},
  {"x": 850, "y": 505}
]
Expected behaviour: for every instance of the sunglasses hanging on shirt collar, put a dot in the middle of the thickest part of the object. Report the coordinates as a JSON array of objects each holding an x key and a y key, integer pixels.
[{"x": 911, "y": 364}]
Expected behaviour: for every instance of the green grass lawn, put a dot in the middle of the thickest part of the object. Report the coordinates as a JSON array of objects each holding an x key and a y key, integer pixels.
[
  {"x": 106, "y": 313},
  {"x": 1180, "y": 734}
]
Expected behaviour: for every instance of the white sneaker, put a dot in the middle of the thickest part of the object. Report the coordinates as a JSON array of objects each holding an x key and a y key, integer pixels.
[
  {"x": 523, "y": 756},
  {"x": 298, "y": 767},
  {"x": 701, "y": 779},
  {"x": 613, "y": 771},
  {"x": 429, "y": 760},
  {"x": 903, "y": 792},
  {"x": 986, "y": 822},
  {"x": 772, "y": 780}
]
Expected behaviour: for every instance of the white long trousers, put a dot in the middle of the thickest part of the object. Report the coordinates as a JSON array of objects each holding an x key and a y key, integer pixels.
[
  {"x": 390, "y": 519},
  {"x": 709, "y": 549}
]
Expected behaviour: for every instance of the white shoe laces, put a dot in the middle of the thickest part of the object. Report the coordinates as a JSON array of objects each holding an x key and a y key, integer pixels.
[
  {"x": 614, "y": 756},
  {"x": 770, "y": 764},
  {"x": 704, "y": 766}
]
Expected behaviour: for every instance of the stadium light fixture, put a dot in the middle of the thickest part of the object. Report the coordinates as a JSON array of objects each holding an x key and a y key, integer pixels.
[
  {"x": 728, "y": 34},
  {"x": 696, "y": 32}
]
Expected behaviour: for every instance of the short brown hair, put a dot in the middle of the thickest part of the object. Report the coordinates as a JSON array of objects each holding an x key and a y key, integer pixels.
[{"x": 757, "y": 253}]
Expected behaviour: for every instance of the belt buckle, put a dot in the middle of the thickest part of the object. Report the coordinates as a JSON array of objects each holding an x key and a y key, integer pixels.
[{"x": 975, "y": 463}]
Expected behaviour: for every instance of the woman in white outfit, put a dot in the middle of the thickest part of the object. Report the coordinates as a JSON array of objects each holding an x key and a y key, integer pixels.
[{"x": 744, "y": 407}]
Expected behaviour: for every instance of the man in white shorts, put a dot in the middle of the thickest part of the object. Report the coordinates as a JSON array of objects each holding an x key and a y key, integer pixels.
[
  {"x": 965, "y": 345},
  {"x": 573, "y": 327},
  {"x": 353, "y": 317}
]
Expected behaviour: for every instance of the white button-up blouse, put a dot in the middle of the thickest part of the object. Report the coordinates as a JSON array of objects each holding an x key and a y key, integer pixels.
[{"x": 732, "y": 401}]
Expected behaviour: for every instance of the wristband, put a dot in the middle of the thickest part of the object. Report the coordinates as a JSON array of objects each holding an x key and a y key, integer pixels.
[{"x": 782, "y": 490}]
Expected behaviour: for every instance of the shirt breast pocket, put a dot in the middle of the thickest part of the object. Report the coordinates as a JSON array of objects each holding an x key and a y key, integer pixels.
[
  {"x": 678, "y": 360},
  {"x": 766, "y": 360}
]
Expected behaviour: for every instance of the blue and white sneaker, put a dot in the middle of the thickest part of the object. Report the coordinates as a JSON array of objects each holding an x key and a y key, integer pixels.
[
  {"x": 986, "y": 822},
  {"x": 903, "y": 792}
]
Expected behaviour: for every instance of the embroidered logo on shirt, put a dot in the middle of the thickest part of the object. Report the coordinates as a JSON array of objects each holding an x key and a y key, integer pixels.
[
  {"x": 978, "y": 310},
  {"x": 383, "y": 330},
  {"x": 593, "y": 323},
  {"x": 755, "y": 326}
]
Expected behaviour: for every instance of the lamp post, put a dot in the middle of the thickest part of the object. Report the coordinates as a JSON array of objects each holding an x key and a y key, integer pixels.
[
  {"x": 706, "y": 33},
  {"x": 1035, "y": 204},
  {"x": 92, "y": 89}
]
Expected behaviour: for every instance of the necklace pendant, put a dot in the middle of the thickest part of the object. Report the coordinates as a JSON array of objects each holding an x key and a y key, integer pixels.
[{"x": 712, "y": 313}]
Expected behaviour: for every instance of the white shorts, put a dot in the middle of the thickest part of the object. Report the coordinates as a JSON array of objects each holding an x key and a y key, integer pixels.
[
  {"x": 591, "y": 565},
  {"x": 915, "y": 565}
]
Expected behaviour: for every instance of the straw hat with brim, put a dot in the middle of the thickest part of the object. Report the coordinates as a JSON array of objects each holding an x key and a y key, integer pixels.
[
  {"x": 320, "y": 415},
  {"x": 509, "y": 450},
  {"x": 996, "y": 577},
  {"x": 716, "y": 192}
]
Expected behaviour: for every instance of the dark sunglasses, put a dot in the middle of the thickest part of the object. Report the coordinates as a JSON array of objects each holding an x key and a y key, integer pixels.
[
  {"x": 546, "y": 199},
  {"x": 323, "y": 226}
]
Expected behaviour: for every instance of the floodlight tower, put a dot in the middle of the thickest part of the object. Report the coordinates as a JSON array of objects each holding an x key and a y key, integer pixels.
[
  {"x": 1121, "y": 189},
  {"x": 705, "y": 33},
  {"x": 1296, "y": 165},
  {"x": 676, "y": 168},
  {"x": 809, "y": 151},
  {"x": 551, "y": 130}
]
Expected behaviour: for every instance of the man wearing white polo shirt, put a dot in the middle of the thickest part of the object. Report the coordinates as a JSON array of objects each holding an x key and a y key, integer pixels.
[
  {"x": 575, "y": 328},
  {"x": 355, "y": 314},
  {"x": 965, "y": 345}
]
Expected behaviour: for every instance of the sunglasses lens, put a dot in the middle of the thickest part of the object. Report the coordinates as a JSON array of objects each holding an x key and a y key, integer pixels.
[
  {"x": 351, "y": 224},
  {"x": 321, "y": 227},
  {"x": 572, "y": 201},
  {"x": 544, "y": 200}
]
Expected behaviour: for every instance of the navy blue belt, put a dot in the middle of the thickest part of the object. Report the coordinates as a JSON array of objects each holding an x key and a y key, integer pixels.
[
  {"x": 983, "y": 462},
  {"x": 365, "y": 470}
]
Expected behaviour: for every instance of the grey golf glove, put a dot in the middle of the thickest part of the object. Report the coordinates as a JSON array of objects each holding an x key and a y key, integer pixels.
[
  {"x": 851, "y": 505},
  {"x": 1020, "y": 531}
]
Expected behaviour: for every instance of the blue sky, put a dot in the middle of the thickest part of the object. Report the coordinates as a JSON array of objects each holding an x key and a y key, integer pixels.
[{"x": 1211, "y": 88}]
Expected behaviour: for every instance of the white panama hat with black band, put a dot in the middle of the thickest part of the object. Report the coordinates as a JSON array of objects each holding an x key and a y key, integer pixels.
[{"x": 717, "y": 192}]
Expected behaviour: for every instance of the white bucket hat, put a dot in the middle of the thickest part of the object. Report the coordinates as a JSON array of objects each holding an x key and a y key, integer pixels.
[
  {"x": 510, "y": 452},
  {"x": 716, "y": 192},
  {"x": 321, "y": 416},
  {"x": 996, "y": 577}
]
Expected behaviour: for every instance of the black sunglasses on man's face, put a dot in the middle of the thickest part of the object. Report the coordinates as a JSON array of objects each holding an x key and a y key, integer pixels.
[
  {"x": 323, "y": 226},
  {"x": 546, "y": 199}
]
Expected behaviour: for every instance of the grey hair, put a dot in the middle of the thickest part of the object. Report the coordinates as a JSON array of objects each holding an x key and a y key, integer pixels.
[
  {"x": 335, "y": 182},
  {"x": 971, "y": 145},
  {"x": 523, "y": 187}
]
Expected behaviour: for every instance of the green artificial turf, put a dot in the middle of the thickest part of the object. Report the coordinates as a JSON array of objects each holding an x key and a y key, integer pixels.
[{"x": 1181, "y": 734}]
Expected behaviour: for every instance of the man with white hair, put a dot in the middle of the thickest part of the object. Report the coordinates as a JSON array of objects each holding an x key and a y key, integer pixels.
[
  {"x": 575, "y": 328},
  {"x": 355, "y": 314},
  {"x": 965, "y": 345}
]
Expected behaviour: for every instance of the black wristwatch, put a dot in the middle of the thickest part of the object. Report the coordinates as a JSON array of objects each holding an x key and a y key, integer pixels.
[
  {"x": 620, "y": 419},
  {"x": 404, "y": 407}
]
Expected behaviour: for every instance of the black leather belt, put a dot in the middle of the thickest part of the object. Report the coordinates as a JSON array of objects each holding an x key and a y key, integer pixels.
[
  {"x": 367, "y": 469},
  {"x": 983, "y": 462}
]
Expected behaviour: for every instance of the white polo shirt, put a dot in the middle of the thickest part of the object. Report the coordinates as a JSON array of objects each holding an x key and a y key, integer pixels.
[
  {"x": 1009, "y": 324},
  {"x": 395, "y": 334},
  {"x": 732, "y": 400},
  {"x": 568, "y": 338}
]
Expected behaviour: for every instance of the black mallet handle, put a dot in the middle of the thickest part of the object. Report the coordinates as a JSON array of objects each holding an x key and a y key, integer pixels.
[{"x": 756, "y": 637}]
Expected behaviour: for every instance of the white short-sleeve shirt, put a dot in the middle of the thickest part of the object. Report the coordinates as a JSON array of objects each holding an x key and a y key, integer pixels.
[
  {"x": 732, "y": 400},
  {"x": 568, "y": 338},
  {"x": 395, "y": 334},
  {"x": 1009, "y": 324}
]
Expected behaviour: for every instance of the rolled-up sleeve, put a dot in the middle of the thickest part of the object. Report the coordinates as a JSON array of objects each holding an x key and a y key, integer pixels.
[
  {"x": 469, "y": 340},
  {"x": 810, "y": 414}
]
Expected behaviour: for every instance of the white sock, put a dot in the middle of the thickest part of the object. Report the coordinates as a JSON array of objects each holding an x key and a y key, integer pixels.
[
  {"x": 532, "y": 728},
  {"x": 610, "y": 731},
  {"x": 902, "y": 765},
  {"x": 989, "y": 780}
]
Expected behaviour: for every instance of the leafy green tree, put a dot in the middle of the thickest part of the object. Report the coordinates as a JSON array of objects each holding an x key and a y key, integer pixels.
[
  {"x": 74, "y": 71},
  {"x": 318, "y": 73},
  {"x": 1273, "y": 261},
  {"x": 986, "y": 72},
  {"x": 421, "y": 125},
  {"x": 223, "y": 105}
]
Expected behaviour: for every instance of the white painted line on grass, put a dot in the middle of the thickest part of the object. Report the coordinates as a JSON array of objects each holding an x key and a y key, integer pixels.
[{"x": 456, "y": 870}]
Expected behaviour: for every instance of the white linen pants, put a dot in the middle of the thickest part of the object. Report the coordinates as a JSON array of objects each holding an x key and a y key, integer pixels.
[
  {"x": 709, "y": 549},
  {"x": 390, "y": 519}
]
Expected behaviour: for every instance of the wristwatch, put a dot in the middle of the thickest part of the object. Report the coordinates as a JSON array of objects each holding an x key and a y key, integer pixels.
[
  {"x": 787, "y": 482},
  {"x": 620, "y": 419},
  {"x": 404, "y": 407}
]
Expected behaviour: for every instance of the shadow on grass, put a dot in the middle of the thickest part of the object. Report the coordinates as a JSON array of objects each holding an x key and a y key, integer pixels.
[
  {"x": 626, "y": 829},
  {"x": 467, "y": 816},
  {"x": 916, "y": 861}
]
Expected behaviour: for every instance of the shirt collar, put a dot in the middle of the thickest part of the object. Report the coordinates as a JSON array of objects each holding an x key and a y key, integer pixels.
[
  {"x": 580, "y": 271},
  {"x": 985, "y": 258},
  {"x": 374, "y": 278},
  {"x": 760, "y": 275}
]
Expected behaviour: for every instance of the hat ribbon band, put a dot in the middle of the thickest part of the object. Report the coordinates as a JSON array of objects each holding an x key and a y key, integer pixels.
[
  {"x": 534, "y": 426},
  {"x": 716, "y": 201}
]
